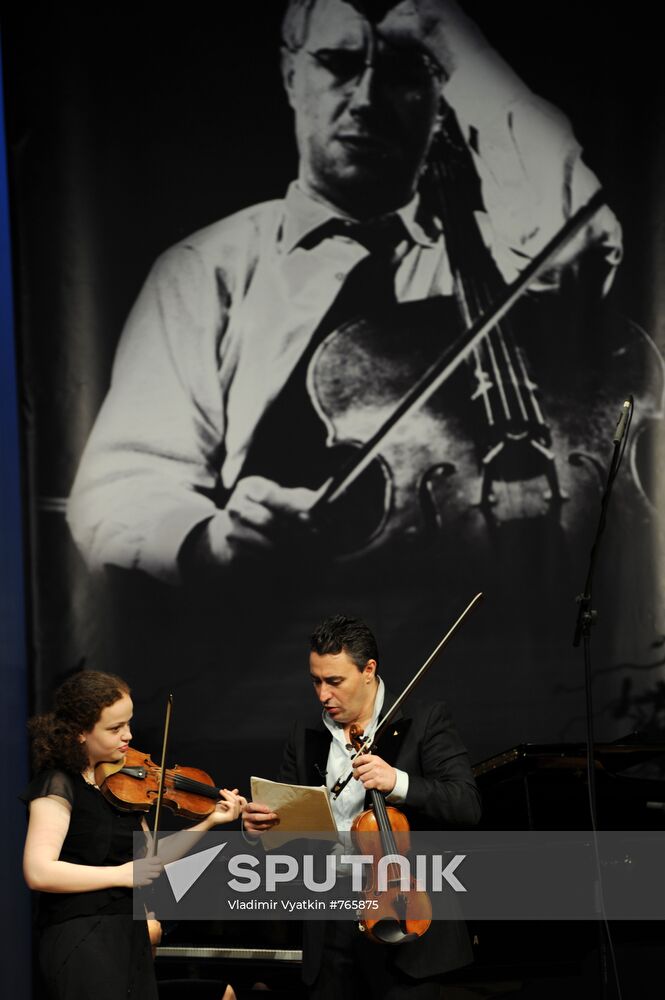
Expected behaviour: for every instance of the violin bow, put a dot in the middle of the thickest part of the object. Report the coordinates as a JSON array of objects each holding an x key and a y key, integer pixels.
[
  {"x": 417, "y": 677},
  {"x": 455, "y": 354},
  {"x": 162, "y": 772}
]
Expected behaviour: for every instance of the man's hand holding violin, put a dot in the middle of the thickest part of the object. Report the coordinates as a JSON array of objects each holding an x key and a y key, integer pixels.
[{"x": 374, "y": 772}]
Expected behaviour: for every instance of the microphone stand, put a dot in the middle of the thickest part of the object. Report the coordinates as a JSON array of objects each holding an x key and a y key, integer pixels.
[{"x": 586, "y": 618}]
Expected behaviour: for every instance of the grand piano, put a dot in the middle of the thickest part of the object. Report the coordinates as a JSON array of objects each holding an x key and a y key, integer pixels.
[{"x": 543, "y": 786}]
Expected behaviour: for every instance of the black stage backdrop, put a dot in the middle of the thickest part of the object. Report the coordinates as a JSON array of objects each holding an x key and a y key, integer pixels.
[{"x": 129, "y": 129}]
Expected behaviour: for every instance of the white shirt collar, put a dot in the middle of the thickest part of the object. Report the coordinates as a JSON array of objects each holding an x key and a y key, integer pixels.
[{"x": 303, "y": 214}]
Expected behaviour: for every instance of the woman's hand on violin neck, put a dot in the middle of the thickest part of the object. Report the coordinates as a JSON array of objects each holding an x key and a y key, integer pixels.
[
  {"x": 228, "y": 808},
  {"x": 374, "y": 772},
  {"x": 258, "y": 817}
]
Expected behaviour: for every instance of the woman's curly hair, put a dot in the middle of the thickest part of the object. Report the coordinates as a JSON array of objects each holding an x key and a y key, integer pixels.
[{"x": 77, "y": 706}]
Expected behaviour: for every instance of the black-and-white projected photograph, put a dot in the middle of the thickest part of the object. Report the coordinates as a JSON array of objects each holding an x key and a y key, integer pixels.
[
  {"x": 328, "y": 315},
  {"x": 349, "y": 308}
]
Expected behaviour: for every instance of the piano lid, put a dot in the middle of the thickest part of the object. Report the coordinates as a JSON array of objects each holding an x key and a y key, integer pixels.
[{"x": 529, "y": 757}]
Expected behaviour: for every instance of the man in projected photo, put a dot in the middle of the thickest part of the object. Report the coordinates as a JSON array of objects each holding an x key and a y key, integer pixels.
[{"x": 206, "y": 450}]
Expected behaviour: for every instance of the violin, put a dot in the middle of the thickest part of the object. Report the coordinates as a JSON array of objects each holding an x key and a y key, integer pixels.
[
  {"x": 132, "y": 784},
  {"x": 397, "y": 915}
]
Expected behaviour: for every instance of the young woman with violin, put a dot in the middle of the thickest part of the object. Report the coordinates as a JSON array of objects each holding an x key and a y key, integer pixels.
[{"x": 79, "y": 846}]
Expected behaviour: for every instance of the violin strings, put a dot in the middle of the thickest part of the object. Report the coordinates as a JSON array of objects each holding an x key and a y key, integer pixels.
[
  {"x": 389, "y": 844},
  {"x": 191, "y": 785},
  {"x": 184, "y": 783}
]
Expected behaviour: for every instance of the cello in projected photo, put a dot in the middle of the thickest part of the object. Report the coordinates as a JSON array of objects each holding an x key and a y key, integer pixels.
[{"x": 466, "y": 438}]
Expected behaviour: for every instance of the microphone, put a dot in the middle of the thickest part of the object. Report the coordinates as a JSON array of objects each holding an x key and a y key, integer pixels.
[{"x": 622, "y": 422}]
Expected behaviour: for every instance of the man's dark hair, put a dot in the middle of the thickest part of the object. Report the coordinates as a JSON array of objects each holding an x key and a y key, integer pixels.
[{"x": 350, "y": 635}]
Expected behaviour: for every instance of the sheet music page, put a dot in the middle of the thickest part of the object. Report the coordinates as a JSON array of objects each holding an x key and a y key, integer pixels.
[{"x": 301, "y": 808}]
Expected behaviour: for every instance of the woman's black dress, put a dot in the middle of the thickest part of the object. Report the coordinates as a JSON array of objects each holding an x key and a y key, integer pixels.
[{"x": 89, "y": 943}]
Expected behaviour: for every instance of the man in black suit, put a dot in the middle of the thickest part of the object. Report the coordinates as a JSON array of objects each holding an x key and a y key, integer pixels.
[{"x": 424, "y": 768}]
